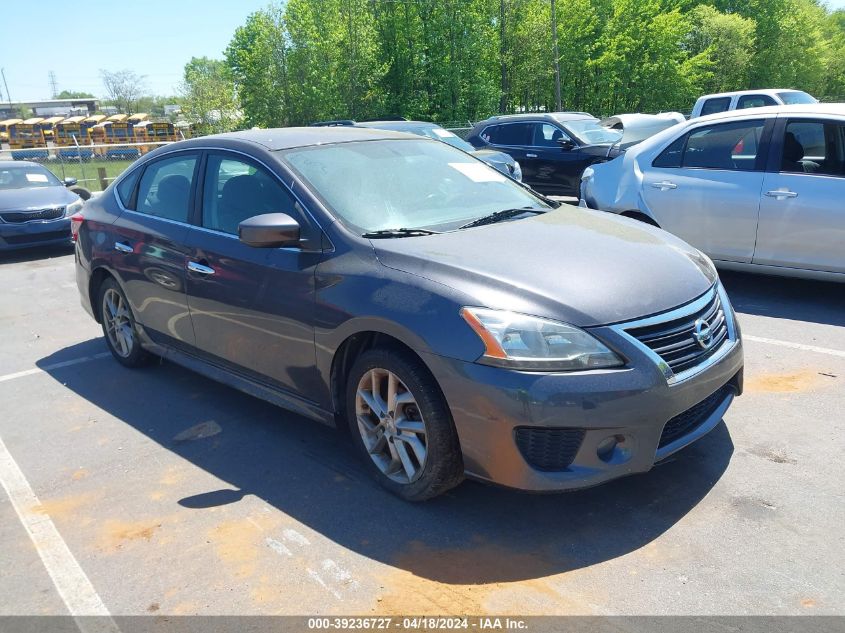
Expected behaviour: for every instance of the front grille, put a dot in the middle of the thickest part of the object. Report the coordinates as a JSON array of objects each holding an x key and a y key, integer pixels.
[
  {"x": 549, "y": 449},
  {"x": 37, "y": 237},
  {"x": 675, "y": 341},
  {"x": 18, "y": 217},
  {"x": 686, "y": 422}
]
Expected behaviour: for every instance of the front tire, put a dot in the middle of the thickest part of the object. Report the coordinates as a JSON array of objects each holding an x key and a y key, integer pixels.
[
  {"x": 119, "y": 326},
  {"x": 401, "y": 425}
]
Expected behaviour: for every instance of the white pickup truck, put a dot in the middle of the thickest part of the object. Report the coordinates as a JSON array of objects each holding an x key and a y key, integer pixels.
[{"x": 724, "y": 101}]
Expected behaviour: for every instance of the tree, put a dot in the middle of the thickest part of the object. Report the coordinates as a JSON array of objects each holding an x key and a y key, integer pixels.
[
  {"x": 124, "y": 88},
  {"x": 208, "y": 96},
  {"x": 73, "y": 94},
  {"x": 727, "y": 41}
]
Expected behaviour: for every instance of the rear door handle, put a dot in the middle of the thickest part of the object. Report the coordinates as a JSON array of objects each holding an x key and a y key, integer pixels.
[
  {"x": 663, "y": 185},
  {"x": 122, "y": 247},
  {"x": 202, "y": 269},
  {"x": 781, "y": 195},
  {"x": 531, "y": 155}
]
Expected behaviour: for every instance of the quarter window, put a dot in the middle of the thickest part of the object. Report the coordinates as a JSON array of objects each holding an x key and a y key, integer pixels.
[
  {"x": 126, "y": 187},
  {"x": 165, "y": 188},
  {"x": 236, "y": 190}
]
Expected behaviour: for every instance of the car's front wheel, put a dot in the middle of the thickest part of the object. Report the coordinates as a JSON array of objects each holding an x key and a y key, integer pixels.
[
  {"x": 400, "y": 422},
  {"x": 119, "y": 326}
]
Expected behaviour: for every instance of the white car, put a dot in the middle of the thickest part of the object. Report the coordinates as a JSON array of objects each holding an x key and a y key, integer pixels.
[
  {"x": 742, "y": 99},
  {"x": 759, "y": 190}
]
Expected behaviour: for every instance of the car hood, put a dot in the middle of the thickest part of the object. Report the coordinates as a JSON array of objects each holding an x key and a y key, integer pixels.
[
  {"x": 35, "y": 198},
  {"x": 583, "y": 267}
]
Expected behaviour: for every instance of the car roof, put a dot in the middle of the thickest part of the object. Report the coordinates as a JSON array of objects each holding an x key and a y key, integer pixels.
[
  {"x": 739, "y": 93},
  {"x": 803, "y": 109},
  {"x": 545, "y": 116},
  {"x": 290, "y": 137},
  {"x": 16, "y": 163},
  {"x": 396, "y": 125}
]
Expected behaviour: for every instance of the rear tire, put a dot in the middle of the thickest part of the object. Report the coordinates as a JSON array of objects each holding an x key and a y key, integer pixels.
[
  {"x": 119, "y": 326},
  {"x": 401, "y": 425}
]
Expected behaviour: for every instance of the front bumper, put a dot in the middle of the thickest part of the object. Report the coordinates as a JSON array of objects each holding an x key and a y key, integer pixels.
[
  {"x": 632, "y": 405},
  {"x": 29, "y": 234}
]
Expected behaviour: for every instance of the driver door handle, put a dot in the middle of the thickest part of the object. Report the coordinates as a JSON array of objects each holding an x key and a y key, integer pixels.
[
  {"x": 202, "y": 269},
  {"x": 664, "y": 185},
  {"x": 781, "y": 195},
  {"x": 122, "y": 247},
  {"x": 531, "y": 155}
]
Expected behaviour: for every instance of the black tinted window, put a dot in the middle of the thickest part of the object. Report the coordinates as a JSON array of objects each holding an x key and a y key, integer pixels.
[
  {"x": 754, "y": 101},
  {"x": 236, "y": 190},
  {"x": 165, "y": 189},
  {"x": 730, "y": 146},
  {"x": 712, "y": 106},
  {"x": 126, "y": 187},
  {"x": 547, "y": 135},
  {"x": 509, "y": 134},
  {"x": 671, "y": 156}
]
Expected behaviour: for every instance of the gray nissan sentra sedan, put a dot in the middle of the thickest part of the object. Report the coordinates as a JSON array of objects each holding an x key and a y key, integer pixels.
[{"x": 453, "y": 321}]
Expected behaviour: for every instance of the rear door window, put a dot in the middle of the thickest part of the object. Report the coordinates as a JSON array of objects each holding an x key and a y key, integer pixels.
[
  {"x": 814, "y": 147},
  {"x": 731, "y": 146},
  {"x": 718, "y": 104},
  {"x": 509, "y": 134},
  {"x": 165, "y": 187},
  {"x": 754, "y": 101}
]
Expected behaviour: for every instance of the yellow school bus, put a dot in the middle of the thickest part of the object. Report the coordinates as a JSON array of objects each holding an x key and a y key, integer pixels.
[
  {"x": 48, "y": 126},
  {"x": 27, "y": 135},
  {"x": 4, "y": 128}
]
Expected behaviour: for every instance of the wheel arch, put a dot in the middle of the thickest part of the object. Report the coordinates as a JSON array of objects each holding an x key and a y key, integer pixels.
[
  {"x": 642, "y": 217},
  {"x": 95, "y": 281}
]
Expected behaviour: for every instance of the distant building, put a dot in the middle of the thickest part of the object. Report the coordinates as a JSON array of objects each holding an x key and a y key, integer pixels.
[
  {"x": 171, "y": 109},
  {"x": 49, "y": 107}
]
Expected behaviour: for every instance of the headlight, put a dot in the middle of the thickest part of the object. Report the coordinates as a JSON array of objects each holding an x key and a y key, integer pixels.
[
  {"x": 517, "y": 171},
  {"x": 531, "y": 343},
  {"x": 74, "y": 207}
]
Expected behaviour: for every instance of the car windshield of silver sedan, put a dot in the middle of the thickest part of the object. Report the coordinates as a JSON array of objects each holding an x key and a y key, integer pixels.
[
  {"x": 589, "y": 131},
  {"x": 420, "y": 186},
  {"x": 26, "y": 177}
]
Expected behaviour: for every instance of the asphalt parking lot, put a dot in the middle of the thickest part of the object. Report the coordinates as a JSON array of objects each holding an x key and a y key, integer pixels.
[{"x": 175, "y": 495}]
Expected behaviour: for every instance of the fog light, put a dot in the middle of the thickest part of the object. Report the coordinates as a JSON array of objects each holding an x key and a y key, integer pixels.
[{"x": 614, "y": 449}]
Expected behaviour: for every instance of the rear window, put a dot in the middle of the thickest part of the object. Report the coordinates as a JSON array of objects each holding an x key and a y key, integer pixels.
[
  {"x": 796, "y": 97},
  {"x": 712, "y": 106}
]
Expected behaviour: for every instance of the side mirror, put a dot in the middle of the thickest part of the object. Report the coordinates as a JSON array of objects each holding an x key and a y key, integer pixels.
[
  {"x": 269, "y": 230},
  {"x": 70, "y": 182},
  {"x": 565, "y": 143}
]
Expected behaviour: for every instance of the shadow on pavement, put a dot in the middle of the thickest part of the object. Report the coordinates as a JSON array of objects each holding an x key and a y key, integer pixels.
[
  {"x": 475, "y": 534},
  {"x": 784, "y": 298},
  {"x": 35, "y": 253}
]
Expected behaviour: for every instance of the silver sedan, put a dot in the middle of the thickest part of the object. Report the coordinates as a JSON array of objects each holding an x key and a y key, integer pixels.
[{"x": 757, "y": 190}]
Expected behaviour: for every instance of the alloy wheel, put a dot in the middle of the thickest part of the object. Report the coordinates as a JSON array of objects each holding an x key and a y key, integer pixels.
[
  {"x": 391, "y": 425},
  {"x": 118, "y": 323}
]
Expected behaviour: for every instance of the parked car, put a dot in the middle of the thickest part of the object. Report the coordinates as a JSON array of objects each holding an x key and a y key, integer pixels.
[
  {"x": 742, "y": 99},
  {"x": 367, "y": 278},
  {"x": 35, "y": 206},
  {"x": 499, "y": 160},
  {"x": 552, "y": 149},
  {"x": 757, "y": 190}
]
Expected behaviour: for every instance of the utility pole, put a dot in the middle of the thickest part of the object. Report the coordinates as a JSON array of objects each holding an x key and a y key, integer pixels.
[
  {"x": 558, "y": 106},
  {"x": 54, "y": 90},
  {"x": 8, "y": 94}
]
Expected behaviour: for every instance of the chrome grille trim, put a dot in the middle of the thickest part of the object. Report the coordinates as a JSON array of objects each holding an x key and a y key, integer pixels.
[
  {"x": 35, "y": 215},
  {"x": 681, "y": 357}
]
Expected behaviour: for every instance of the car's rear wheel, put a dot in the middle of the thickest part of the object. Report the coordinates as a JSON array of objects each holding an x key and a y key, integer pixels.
[
  {"x": 119, "y": 326},
  {"x": 400, "y": 422}
]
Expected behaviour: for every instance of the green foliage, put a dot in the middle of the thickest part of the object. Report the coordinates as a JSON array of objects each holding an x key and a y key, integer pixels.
[
  {"x": 74, "y": 94},
  {"x": 461, "y": 60},
  {"x": 208, "y": 96}
]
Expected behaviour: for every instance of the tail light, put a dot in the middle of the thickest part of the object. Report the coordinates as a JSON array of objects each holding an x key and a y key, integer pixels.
[{"x": 75, "y": 224}]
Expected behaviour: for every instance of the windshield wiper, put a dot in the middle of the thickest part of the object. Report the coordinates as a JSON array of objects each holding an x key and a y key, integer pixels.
[
  {"x": 504, "y": 214},
  {"x": 388, "y": 233}
]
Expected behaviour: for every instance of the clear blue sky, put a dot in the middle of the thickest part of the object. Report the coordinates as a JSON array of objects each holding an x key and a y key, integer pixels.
[{"x": 184, "y": 29}]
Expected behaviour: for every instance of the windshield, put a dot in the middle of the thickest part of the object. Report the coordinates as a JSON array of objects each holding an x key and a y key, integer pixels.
[
  {"x": 589, "y": 131},
  {"x": 411, "y": 184},
  {"x": 442, "y": 134},
  {"x": 796, "y": 98},
  {"x": 26, "y": 176}
]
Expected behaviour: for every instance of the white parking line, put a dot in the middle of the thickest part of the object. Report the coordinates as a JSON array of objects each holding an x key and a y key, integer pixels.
[
  {"x": 73, "y": 585},
  {"x": 66, "y": 363},
  {"x": 807, "y": 348}
]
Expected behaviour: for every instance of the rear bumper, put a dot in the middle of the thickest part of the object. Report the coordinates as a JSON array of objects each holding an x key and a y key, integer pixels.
[
  {"x": 28, "y": 234},
  {"x": 593, "y": 410}
]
